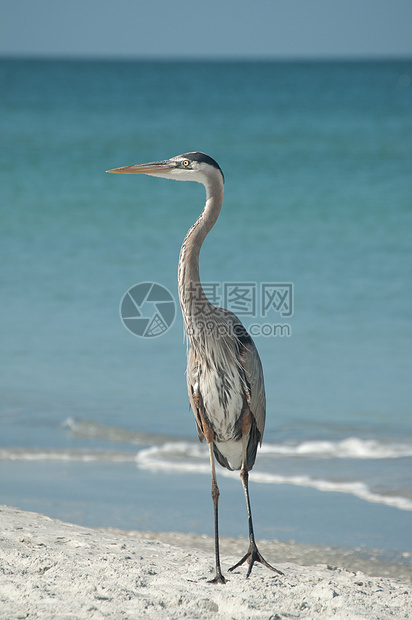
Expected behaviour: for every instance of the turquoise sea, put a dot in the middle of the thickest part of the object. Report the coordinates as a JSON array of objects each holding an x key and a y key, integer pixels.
[{"x": 95, "y": 426}]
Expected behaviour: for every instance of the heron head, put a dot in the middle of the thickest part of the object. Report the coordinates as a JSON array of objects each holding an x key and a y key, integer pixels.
[{"x": 187, "y": 167}]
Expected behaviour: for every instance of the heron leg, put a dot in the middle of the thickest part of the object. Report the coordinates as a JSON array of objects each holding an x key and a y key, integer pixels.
[
  {"x": 253, "y": 555},
  {"x": 218, "y": 578}
]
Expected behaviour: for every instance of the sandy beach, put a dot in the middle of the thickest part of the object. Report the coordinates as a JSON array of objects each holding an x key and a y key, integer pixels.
[{"x": 51, "y": 569}]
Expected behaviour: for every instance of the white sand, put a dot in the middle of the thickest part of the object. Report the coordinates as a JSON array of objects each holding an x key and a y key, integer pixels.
[{"x": 50, "y": 569}]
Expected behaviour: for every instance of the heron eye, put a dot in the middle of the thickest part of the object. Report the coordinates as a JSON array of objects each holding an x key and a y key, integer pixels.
[{"x": 186, "y": 163}]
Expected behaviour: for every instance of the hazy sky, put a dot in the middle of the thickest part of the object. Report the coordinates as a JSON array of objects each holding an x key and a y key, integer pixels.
[{"x": 206, "y": 28}]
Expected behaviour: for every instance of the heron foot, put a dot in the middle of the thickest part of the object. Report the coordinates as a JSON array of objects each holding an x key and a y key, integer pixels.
[
  {"x": 218, "y": 578},
  {"x": 253, "y": 555}
]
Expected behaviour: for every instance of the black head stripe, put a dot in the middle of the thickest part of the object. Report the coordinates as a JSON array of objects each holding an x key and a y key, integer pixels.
[{"x": 202, "y": 157}]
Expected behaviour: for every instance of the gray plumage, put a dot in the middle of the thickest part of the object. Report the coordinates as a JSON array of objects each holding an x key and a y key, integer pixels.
[{"x": 224, "y": 372}]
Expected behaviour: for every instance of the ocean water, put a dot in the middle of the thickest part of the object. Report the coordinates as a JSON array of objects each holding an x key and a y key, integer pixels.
[{"x": 95, "y": 425}]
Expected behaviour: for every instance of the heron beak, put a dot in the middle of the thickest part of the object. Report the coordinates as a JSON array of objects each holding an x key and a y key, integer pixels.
[{"x": 154, "y": 167}]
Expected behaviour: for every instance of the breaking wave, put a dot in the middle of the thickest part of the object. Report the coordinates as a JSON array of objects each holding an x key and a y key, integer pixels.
[
  {"x": 350, "y": 448},
  {"x": 166, "y": 453},
  {"x": 185, "y": 457}
]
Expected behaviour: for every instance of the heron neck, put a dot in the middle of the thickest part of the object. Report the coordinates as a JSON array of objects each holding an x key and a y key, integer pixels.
[{"x": 193, "y": 300}]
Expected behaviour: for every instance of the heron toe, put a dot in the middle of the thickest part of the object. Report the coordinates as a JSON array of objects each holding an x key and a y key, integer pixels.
[{"x": 253, "y": 555}]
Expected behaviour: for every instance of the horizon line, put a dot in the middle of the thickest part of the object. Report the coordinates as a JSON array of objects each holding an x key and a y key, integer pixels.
[{"x": 96, "y": 57}]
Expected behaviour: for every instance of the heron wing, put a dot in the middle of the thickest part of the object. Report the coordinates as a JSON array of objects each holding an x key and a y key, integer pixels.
[
  {"x": 255, "y": 385},
  {"x": 249, "y": 359},
  {"x": 246, "y": 356}
]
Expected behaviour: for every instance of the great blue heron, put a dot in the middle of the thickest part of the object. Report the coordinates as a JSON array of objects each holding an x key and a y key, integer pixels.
[{"x": 224, "y": 373}]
